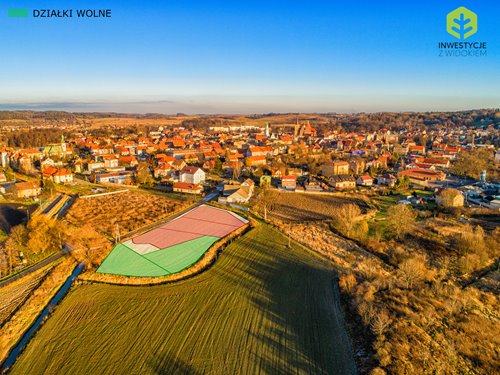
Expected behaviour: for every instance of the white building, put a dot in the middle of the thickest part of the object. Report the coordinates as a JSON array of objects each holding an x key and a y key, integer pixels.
[{"x": 192, "y": 175}]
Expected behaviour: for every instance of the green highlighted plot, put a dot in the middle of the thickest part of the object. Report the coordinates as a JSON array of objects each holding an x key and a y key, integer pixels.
[
  {"x": 19, "y": 12},
  {"x": 126, "y": 262},
  {"x": 181, "y": 256},
  {"x": 123, "y": 261}
]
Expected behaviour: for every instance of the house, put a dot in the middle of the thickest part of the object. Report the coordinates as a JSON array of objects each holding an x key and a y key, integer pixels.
[
  {"x": 122, "y": 177},
  {"x": 289, "y": 182},
  {"x": 423, "y": 176},
  {"x": 278, "y": 172},
  {"x": 128, "y": 161},
  {"x": 110, "y": 161},
  {"x": 187, "y": 188},
  {"x": 60, "y": 150},
  {"x": 260, "y": 151},
  {"x": 401, "y": 149},
  {"x": 164, "y": 170},
  {"x": 450, "y": 198},
  {"x": 436, "y": 162},
  {"x": 178, "y": 164},
  {"x": 27, "y": 189},
  {"x": 78, "y": 166},
  {"x": 387, "y": 180},
  {"x": 238, "y": 193},
  {"x": 253, "y": 161},
  {"x": 357, "y": 165},
  {"x": 335, "y": 168},
  {"x": 48, "y": 162},
  {"x": 342, "y": 182},
  {"x": 419, "y": 150},
  {"x": 192, "y": 175},
  {"x": 365, "y": 180},
  {"x": 313, "y": 186},
  {"x": 94, "y": 165},
  {"x": 295, "y": 172},
  {"x": 57, "y": 176}
]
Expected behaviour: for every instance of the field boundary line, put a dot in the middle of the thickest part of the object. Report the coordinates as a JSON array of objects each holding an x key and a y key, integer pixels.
[
  {"x": 104, "y": 194},
  {"x": 180, "y": 243},
  {"x": 210, "y": 221}
]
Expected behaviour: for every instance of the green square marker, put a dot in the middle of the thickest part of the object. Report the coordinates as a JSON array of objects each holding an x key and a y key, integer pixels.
[{"x": 18, "y": 12}]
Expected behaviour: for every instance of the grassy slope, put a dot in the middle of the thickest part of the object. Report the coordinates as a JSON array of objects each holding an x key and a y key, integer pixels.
[{"x": 262, "y": 308}]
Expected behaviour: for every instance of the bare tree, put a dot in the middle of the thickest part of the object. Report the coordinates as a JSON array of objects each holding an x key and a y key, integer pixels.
[
  {"x": 237, "y": 171},
  {"x": 413, "y": 270},
  {"x": 346, "y": 216},
  {"x": 381, "y": 322},
  {"x": 400, "y": 220},
  {"x": 10, "y": 249},
  {"x": 267, "y": 200}
]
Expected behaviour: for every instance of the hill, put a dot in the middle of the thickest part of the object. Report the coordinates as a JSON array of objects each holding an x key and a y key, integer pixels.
[{"x": 262, "y": 308}]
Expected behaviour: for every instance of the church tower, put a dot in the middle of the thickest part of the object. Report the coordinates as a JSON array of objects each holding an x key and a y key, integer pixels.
[
  {"x": 296, "y": 129},
  {"x": 63, "y": 144},
  {"x": 267, "y": 131}
]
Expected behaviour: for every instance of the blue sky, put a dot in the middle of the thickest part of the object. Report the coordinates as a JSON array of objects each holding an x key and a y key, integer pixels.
[{"x": 253, "y": 56}]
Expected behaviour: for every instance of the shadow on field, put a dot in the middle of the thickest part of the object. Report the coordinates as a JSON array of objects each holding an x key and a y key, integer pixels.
[
  {"x": 170, "y": 365},
  {"x": 303, "y": 329}
]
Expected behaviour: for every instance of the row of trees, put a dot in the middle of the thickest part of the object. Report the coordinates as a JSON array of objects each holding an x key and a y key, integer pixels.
[{"x": 43, "y": 236}]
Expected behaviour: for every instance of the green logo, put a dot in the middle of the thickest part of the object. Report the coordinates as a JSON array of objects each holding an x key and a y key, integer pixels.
[{"x": 461, "y": 23}]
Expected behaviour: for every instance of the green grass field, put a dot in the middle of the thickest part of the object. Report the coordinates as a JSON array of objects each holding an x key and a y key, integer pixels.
[{"x": 262, "y": 308}]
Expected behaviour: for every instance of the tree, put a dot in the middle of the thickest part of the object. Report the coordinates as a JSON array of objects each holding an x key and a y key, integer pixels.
[
  {"x": 413, "y": 270},
  {"x": 144, "y": 176},
  {"x": 400, "y": 220},
  {"x": 450, "y": 198},
  {"x": 49, "y": 186},
  {"x": 218, "y": 166},
  {"x": 85, "y": 243},
  {"x": 402, "y": 183},
  {"x": 472, "y": 163},
  {"x": 346, "y": 216},
  {"x": 45, "y": 235},
  {"x": 381, "y": 322},
  {"x": 347, "y": 282},
  {"x": 11, "y": 250},
  {"x": 267, "y": 200},
  {"x": 236, "y": 170}
]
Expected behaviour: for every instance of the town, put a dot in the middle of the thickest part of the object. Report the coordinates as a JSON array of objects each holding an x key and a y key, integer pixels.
[{"x": 294, "y": 153}]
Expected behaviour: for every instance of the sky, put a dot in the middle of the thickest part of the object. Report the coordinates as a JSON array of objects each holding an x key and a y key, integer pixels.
[{"x": 233, "y": 56}]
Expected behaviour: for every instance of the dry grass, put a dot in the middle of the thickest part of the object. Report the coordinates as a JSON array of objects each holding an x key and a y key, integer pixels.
[{"x": 129, "y": 210}]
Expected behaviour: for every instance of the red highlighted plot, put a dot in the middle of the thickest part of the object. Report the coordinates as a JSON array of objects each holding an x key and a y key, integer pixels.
[
  {"x": 211, "y": 214},
  {"x": 162, "y": 238},
  {"x": 201, "y": 221}
]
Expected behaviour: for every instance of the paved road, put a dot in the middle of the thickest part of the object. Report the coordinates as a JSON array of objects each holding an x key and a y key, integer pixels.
[{"x": 34, "y": 268}]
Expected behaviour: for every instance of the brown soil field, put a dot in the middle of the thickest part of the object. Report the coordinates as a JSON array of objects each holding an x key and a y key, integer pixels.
[
  {"x": 310, "y": 207},
  {"x": 129, "y": 210}
]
